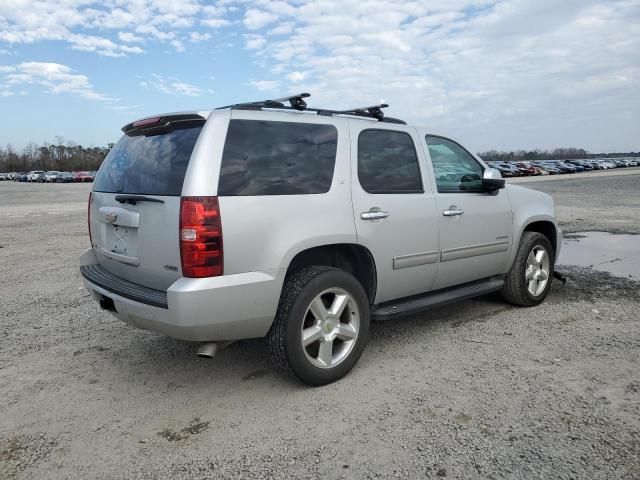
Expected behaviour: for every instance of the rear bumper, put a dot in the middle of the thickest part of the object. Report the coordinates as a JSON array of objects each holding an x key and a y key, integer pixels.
[{"x": 230, "y": 307}]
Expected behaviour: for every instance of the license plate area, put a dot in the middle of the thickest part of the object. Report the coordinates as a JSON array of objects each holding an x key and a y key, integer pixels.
[{"x": 122, "y": 240}]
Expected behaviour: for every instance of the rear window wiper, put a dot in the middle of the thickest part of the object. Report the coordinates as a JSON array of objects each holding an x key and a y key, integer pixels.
[{"x": 133, "y": 199}]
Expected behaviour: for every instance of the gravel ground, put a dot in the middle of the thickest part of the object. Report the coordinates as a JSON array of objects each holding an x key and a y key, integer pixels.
[
  {"x": 478, "y": 389},
  {"x": 606, "y": 200}
]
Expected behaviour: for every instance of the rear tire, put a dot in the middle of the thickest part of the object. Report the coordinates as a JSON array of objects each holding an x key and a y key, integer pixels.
[
  {"x": 529, "y": 279},
  {"x": 322, "y": 324}
]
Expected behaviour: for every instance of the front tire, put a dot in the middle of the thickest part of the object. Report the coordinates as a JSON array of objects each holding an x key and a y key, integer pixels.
[
  {"x": 322, "y": 324},
  {"x": 529, "y": 279}
]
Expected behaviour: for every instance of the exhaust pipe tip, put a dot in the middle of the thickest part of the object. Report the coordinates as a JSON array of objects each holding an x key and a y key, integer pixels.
[{"x": 207, "y": 350}]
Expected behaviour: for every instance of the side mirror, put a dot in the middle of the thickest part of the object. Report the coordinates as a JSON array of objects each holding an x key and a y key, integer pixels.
[{"x": 492, "y": 180}]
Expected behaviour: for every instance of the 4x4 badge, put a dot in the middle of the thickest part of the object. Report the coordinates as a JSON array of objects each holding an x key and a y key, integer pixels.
[{"x": 111, "y": 217}]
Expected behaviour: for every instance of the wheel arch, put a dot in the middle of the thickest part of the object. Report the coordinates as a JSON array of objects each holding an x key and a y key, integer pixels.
[
  {"x": 544, "y": 224},
  {"x": 351, "y": 257},
  {"x": 546, "y": 228}
]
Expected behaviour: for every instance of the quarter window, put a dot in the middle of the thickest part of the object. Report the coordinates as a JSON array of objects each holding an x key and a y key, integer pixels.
[
  {"x": 388, "y": 163},
  {"x": 455, "y": 169},
  {"x": 277, "y": 158}
]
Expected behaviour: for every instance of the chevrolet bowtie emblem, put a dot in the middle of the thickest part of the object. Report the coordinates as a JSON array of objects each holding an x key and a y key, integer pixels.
[{"x": 111, "y": 217}]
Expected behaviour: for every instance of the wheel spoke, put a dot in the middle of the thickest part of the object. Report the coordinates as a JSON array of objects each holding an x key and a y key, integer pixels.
[
  {"x": 542, "y": 275},
  {"x": 338, "y": 305},
  {"x": 318, "y": 309},
  {"x": 533, "y": 286},
  {"x": 325, "y": 353},
  {"x": 346, "y": 332},
  {"x": 311, "y": 335},
  {"x": 530, "y": 273},
  {"x": 531, "y": 259},
  {"x": 540, "y": 256}
]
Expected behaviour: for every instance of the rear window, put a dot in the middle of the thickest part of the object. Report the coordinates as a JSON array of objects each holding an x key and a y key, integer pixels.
[
  {"x": 148, "y": 165},
  {"x": 277, "y": 158}
]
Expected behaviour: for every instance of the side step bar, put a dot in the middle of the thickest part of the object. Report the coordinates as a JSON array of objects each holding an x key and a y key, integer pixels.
[{"x": 416, "y": 304}]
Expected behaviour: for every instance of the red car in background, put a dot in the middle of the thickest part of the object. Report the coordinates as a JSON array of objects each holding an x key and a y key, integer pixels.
[
  {"x": 527, "y": 169},
  {"x": 82, "y": 177}
]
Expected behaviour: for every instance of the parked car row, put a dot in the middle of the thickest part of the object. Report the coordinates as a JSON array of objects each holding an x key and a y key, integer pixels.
[
  {"x": 556, "y": 167},
  {"x": 52, "y": 176}
]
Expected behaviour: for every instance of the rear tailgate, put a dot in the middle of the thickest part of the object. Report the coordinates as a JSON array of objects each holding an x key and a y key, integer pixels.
[{"x": 135, "y": 204}]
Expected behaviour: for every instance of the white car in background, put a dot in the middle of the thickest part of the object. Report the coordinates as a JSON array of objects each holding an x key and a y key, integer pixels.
[
  {"x": 32, "y": 176},
  {"x": 51, "y": 176}
]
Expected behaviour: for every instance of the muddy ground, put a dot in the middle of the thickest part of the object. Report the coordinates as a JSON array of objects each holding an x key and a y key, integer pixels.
[{"x": 478, "y": 389}]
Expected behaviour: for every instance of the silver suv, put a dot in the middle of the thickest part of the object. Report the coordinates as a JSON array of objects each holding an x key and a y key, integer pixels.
[{"x": 272, "y": 219}]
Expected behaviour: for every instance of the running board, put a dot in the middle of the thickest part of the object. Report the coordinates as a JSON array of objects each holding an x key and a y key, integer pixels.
[{"x": 417, "y": 304}]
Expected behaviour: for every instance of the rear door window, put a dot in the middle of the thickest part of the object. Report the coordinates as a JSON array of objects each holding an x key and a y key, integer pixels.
[
  {"x": 388, "y": 163},
  {"x": 151, "y": 164},
  {"x": 277, "y": 158}
]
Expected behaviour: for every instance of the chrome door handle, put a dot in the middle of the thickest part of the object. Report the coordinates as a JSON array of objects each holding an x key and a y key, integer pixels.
[
  {"x": 374, "y": 215},
  {"x": 452, "y": 211}
]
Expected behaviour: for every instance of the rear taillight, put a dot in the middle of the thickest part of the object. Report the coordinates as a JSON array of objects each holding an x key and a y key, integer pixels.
[
  {"x": 89, "y": 217},
  {"x": 200, "y": 237}
]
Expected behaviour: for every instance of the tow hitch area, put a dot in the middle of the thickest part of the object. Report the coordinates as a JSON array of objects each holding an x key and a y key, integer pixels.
[
  {"x": 106, "y": 303},
  {"x": 561, "y": 277}
]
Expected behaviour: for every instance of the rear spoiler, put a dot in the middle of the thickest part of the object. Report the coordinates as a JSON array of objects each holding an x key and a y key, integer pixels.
[{"x": 161, "y": 124}]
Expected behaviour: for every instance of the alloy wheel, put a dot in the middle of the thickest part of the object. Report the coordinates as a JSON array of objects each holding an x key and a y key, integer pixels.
[
  {"x": 330, "y": 328},
  {"x": 537, "y": 271}
]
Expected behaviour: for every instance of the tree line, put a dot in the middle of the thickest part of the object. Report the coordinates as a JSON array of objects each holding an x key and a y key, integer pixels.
[
  {"x": 556, "y": 154},
  {"x": 61, "y": 155}
]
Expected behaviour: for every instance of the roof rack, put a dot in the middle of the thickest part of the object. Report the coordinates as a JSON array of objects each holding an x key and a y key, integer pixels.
[{"x": 296, "y": 102}]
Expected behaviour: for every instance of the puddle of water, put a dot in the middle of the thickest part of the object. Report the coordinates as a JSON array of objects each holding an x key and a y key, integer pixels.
[{"x": 617, "y": 254}]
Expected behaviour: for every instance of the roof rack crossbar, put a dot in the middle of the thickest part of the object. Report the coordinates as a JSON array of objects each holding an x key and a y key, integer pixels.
[
  {"x": 374, "y": 111},
  {"x": 296, "y": 102}
]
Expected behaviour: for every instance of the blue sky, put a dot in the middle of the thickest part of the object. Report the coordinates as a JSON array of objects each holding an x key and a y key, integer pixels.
[{"x": 498, "y": 74}]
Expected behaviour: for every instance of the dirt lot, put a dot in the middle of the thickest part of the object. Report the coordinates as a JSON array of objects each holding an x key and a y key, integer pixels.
[{"x": 474, "y": 390}]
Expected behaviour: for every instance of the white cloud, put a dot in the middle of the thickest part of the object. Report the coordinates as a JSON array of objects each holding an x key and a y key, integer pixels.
[
  {"x": 264, "y": 85},
  {"x": 498, "y": 73},
  {"x": 505, "y": 73},
  {"x": 122, "y": 107},
  {"x": 55, "y": 77},
  {"x": 177, "y": 44},
  {"x": 282, "y": 29},
  {"x": 106, "y": 27},
  {"x": 199, "y": 37},
  {"x": 254, "y": 42},
  {"x": 171, "y": 86},
  {"x": 256, "y": 19},
  {"x": 296, "y": 77},
  {"x": 186, "y": 89},
  {"x": 129, "y": 37}
]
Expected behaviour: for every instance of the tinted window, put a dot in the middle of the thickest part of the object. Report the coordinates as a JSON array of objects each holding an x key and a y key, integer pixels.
[
  {"x": 277, "y": 158},
  {"x": 455, "y": 169},
  {"x": 150, "y": 165},
  {"x": 387, "y": 162}
]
